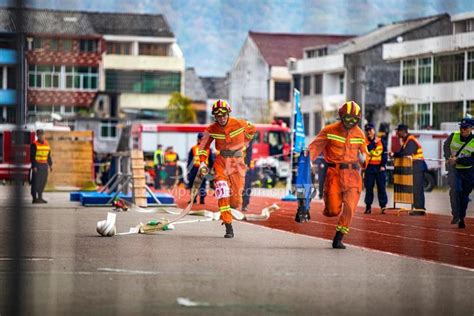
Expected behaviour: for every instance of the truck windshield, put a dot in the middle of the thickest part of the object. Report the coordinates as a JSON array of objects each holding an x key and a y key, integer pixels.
[{"x": 275, "y": 141}]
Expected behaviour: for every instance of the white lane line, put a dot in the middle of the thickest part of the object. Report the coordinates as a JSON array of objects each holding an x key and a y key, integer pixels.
[
  {"x": 388, "y": 235},
  {"x": 370, "y": 249},
  {"x": 126, "y": 271},
  {"x": 25, "y": 259}
]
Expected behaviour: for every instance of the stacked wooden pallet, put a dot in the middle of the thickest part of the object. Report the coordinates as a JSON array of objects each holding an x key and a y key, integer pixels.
[
  {"x": 138, "y": 178},
  {"x": 72, "y": 154}
]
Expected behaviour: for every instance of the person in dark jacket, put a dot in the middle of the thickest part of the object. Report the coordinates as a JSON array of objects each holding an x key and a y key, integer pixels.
[
  {"x": 193, "y": 168},
  {"x": 459, "y": 154},
  {"x": 249, "y": 177},
  {"x": 411, "y": 147},
  {"x": 41, "y": 161}
]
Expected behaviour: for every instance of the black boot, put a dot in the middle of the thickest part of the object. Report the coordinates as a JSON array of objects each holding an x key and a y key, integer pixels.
[
  {"x": 337, "y": 241},
  {"x": 229, "y": 232},
  {"x": 368, "y": 210},
  {"x": 461, "y": 223}
]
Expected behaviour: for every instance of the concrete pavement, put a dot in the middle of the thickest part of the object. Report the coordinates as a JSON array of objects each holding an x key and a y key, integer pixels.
[{"x": 69, "y": 269}]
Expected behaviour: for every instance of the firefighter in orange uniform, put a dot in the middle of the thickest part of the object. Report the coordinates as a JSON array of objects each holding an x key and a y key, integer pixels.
[
  {"x": 231, "y": 138},
  {"x": 40, "y": 155},
  {"x": 344, "y": 149}
]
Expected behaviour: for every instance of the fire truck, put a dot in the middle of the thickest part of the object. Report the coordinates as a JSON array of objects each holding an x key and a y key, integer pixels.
[
  {"x": 271, "y": 146},
  {"x": 15, "y": 149}
]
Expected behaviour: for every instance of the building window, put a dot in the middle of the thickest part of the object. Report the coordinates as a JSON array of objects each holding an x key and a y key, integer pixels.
[
  {"x": 470, "y": 107},
  {"x": 317, "y": 123},
  {"x": 341, "y": 83},
  {"x": 44, "y": 76},
  {"x": 66, "y": 45},
  {"x": 108, "y": 130},
  {"x": 306, "y": 123},
  {"x": 153, "y": 49},
  {"x": 81, "y": 78},
  {"x": 408, "y": 117},
  {"x": 53, "y": 44},
  {"x": 11, "y": 78},
  {"x": 423, "y": 115},
  {"x": 409, "y": 72},
  {"x": 446, "y": 112},
  {"x": 88, "y": 46},
  {"x": 319, "y": 52},
  {"x": 297, "y": 82},
  {"x": 470, "y": 65},
  {"x": 306, "y": 85},
  {"x": 37, "y": 43},
  {"x": 448, "y": 68},
  {"x": 318, "y": 84},
  {"x": 424, "y": 70},
  {"x": 282, "y": 91},
  {"x": 142, "y": 82},
  {"x": 116, "y": 48}
]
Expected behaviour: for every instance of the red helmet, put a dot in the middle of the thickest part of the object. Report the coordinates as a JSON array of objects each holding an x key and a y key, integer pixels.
[
  {"x": 350, "y": 108},
  {"x": 221, "y": 106}
]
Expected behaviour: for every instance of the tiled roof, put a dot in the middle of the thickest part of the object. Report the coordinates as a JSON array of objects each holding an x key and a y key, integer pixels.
[
  {"x": 276, "y": 48},
  {"x": 42, "y": 21},
  {"x": 382, "y": 34}
]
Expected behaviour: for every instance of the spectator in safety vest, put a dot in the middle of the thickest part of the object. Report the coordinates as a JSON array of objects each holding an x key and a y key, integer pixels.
[
  {"x": 343, "y": 146},
  {"x": 411, "y": 147},
  {"x": 231, "y": 137},
  {"x": 171, "y": 159},
  {"x": 459, "y": 155},
  {"x": 375, "y": 171},
  {"x": 40, "y": 155},
  {"x": 194, "y": 163},
  {"x": 158, "y": 162}
]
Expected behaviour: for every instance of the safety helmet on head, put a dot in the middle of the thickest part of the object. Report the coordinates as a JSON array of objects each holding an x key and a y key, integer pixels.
[
  {"x": 350, "y": 108},
  {"x": 221, "y": 106}
]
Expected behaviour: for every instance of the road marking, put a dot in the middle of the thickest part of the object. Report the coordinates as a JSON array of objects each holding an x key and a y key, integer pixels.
[
  {"x": 25, "y": 259},
  {"x": 389, "y": 235},
  {"x": 370, "y": 249}
]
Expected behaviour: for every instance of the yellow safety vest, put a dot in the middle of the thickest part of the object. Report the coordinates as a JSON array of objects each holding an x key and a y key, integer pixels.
[{"x": 42, "y": 151}]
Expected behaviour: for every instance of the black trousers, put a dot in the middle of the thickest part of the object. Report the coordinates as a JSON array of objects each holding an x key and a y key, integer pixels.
[
  {"x": 467, "y": 183},
  {"x": 157, "y": 183},
  {"x": 418, "y": 191},
  {"x": 38, "y": 180},
  {"x": 455, "y": 189},
  {"x": 372, "y": 177}
]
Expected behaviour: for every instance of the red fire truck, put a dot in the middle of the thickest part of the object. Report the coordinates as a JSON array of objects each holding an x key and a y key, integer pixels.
[
  {"x": 271, "y": 145},
  {"x": 15, "y": 149}
]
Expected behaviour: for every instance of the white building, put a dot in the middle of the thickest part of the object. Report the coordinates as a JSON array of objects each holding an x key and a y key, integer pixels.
[
  {"x": 436, "y": 75},
  {"x": 260, "y": 82},
  {"x": 144, "y": 64}
]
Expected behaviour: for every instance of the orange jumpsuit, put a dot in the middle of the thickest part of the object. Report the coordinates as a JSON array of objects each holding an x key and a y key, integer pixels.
[
  {"x": 343, "y": 183},
  {"x": 229, "y": 171}
]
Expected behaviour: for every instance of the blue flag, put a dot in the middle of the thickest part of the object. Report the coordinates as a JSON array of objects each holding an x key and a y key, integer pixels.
[{"x": 298, "y": 128}]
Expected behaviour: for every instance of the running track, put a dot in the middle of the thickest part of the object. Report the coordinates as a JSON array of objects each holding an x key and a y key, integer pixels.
[{"x": 430, "y": 237}]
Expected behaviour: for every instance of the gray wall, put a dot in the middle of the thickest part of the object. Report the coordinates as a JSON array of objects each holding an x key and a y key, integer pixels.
[
  {"x": 248, "y": 88},
  {"x": 369, "y": 66}
]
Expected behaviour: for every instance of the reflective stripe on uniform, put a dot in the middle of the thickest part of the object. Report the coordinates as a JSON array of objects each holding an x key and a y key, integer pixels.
[
  {"x": 224, "y": 208},
  {"x": 336, "y": 138},
  {"x": 342, "y": 229},
  {"x": 357, "y": 140},
  {"x": 217, "y": 136},
  {"x": 236, "y": 132}
]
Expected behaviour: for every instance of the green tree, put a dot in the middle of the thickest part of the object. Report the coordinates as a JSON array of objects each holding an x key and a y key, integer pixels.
[
  {"x": 180, "y": 109},
  {"x": 396, "y": 111}
]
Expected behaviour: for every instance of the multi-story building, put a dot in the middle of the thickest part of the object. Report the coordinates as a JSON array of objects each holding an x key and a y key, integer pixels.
[
  {"x": 355, "y": 70},
  {"x": 260, "y": 83},
  {"x": 8, "y": 60},
  {"x": 142, "y": 62},
  {"x": 131, "y": 59},
  {"x": 435, "y": 75}
]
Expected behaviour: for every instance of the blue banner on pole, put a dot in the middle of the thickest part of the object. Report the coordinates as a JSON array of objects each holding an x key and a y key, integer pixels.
[{"x": 298, "y": 128}]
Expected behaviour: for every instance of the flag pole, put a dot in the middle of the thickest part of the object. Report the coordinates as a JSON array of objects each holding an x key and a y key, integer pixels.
[{"x": 290, "y": 196}]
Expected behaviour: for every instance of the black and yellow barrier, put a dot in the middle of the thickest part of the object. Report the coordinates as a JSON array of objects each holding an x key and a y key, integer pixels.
[{"x": 402, "y": 184}]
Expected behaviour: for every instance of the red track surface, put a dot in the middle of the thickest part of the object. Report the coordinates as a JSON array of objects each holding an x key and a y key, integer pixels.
[{"x": 430, "y": 237}]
